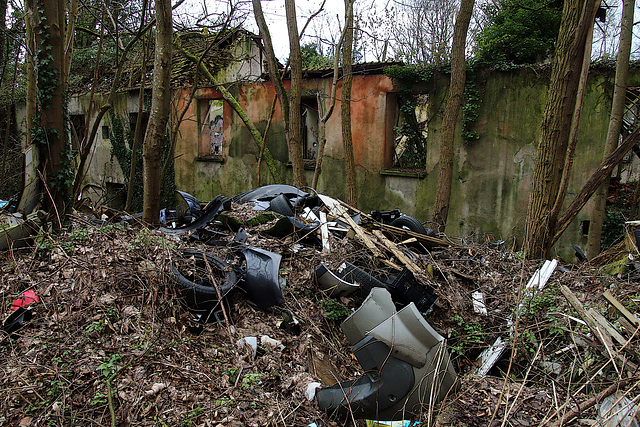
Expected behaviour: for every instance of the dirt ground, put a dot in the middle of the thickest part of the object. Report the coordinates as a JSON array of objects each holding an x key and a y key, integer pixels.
[{"x": 109, "y": 344}]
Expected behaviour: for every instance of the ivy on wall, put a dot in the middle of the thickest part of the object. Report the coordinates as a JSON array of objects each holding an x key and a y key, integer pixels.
[{"x": 410, "y": 78}]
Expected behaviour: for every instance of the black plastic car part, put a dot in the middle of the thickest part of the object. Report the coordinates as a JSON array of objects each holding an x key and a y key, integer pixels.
[
  {"x": 281, "y": 205},
  {"x": 386, "y": 381},
  {"x": 195, "y": 209},
  {"x": 260, "y": 274},
  {"x": 403, "y": 287},
  {"x": 288, "y": 225},
  {"x": 211, "y": 211},
  {"x": 403, "y": 340},
  {"x": 268, "y": 192},
  {"x": 17, "y": 320},
  {"x": 193, "y": 282}
]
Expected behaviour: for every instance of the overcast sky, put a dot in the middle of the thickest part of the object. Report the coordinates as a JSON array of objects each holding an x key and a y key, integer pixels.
[{"x": 276, "y": 19}]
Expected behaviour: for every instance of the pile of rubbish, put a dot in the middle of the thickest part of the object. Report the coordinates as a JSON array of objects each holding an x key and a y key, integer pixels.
[{"x": 284, "y": 306}]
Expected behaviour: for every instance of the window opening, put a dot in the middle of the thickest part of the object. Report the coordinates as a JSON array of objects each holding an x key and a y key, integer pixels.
[
  {"x": 410, "y": 132},
  {"x": 77, "y": 130},
  {"x": 212, "y": 128},
  {"x": 310, "y": 128}
]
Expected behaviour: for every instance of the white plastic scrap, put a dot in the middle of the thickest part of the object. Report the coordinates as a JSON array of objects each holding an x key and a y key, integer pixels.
[
  {"x": 478, "y": 303},
  {"x": 249, "y": 342},
  {"x": 267, "y": 341},
  {"x": 310, "y": 393}
]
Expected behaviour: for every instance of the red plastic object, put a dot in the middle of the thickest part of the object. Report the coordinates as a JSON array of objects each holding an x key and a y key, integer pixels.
[{"x": 28, "y": 297}]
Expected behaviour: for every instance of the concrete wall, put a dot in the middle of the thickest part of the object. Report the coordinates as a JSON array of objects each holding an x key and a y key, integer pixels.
[{"x": 492, "y": 176}]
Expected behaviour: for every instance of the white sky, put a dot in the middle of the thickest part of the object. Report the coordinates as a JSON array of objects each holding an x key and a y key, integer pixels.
[{"x": 276, "y": 19}]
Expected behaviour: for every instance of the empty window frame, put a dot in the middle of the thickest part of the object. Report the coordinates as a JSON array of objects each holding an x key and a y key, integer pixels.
[{"x": 211, "y": 128}]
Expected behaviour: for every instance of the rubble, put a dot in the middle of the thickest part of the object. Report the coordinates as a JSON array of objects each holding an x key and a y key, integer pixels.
[{"x": 112, "y": 340}]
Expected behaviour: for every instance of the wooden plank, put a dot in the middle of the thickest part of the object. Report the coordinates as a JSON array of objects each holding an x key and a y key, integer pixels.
[
  {"x": 411, "y": 266},
  {"x": 584, "y": 315},
  {"x": 324, "y": 232},
  {"x": 608, "y": 327},
  {"x": 359, "y": 232},
  {"x": 597, "y": 330},
  {"x": 621, "y": 308},
  {"x": 404, "y": 232}
]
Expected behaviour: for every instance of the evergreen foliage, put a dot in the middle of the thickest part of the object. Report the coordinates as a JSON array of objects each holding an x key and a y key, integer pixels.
[
  {"x": 312, "y": 57},
  {"x": 519, "y": 31}
]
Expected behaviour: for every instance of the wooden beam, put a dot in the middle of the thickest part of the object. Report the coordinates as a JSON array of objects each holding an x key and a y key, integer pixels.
[
  {"x": 411, "y": 266},
  {"x": 621, "y": 308}
]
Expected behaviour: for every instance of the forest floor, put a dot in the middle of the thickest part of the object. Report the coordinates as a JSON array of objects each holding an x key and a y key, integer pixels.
[{"x": 109, "y": 344}]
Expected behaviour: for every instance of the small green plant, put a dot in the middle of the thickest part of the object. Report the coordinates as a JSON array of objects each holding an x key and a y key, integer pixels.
[
  {"x": 232, "y": 373},
  {"x": 97, "y": 327},
  {"x": 334, "y": 310},
  {"x": 195, "y": 413},
  {"x": 108, "y": 367},
  {"x": 79, "y": 235},
  {"x": 250, "y": 380},
  {"x": 465, "y": 335},
  {"x": 540, "y": 303},
  {"x": 528, "y": 340},
  {"x": 99, "y": 399},
  {"x": 55, "y": 388}
]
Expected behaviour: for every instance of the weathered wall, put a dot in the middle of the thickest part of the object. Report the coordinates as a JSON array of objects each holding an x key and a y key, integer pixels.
[
  {"x": 492, "y": 176},
  {"x": 237, "y": 171}
]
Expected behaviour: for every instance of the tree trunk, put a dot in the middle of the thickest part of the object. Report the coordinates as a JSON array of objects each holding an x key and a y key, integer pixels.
[
  {"x": 160, "y": 109},
  {"x": 577, "y": 16},
  {"x": 615, "y": 124},
  {"x": 575, "y": 128},
  {"x": 456, "y": 89},
  {"x": 598, "y": 177},
  {"x": 325, "y": 113},
  {"x": 294, "y": 137},
  {"x": 345, "y": 110},
  {"x": 137, "y": 131},
  {"x": 290, "y": 107},
  {"x": 55, "y": 164},
  {"x": 3, "y": 28}
]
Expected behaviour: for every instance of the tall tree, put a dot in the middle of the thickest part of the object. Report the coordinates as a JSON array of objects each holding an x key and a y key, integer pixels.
[
  {"x": 294, "y": 138},
  {"x": 615, "y": 124},
  {"x": 577, "y": 17},
  {"x": 456, "y": 89},
  {"x": 423, "y": 33},
  {"x": 345, "y": 106},
  {"x": 160, "y": 110},
  {"x": 326, "y": 110},
  {"x": 294, "y": 142},
  {"x": 48, "y": 21}
]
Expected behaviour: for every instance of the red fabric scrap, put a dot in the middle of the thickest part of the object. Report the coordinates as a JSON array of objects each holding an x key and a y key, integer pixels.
[{"x": 28, "y": 297}]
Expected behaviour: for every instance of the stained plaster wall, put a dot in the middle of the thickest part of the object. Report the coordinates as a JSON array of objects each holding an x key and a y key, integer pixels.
[
  {"x": 492, "y": 176},
  {"x": 237, "y": 171}
]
